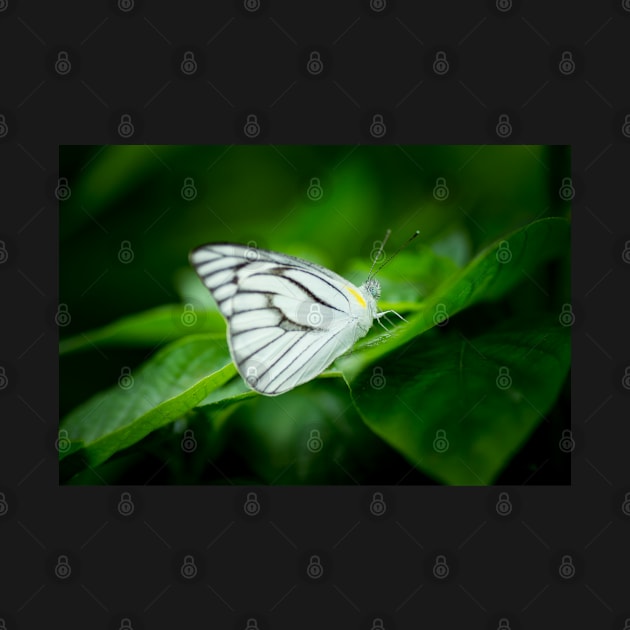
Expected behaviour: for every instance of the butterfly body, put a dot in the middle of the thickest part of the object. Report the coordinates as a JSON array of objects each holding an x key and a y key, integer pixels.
[{"x": 287, "y": 319}]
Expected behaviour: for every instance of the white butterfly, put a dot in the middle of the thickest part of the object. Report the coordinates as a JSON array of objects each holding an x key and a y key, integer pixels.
[{"x": 287, "y": 319}]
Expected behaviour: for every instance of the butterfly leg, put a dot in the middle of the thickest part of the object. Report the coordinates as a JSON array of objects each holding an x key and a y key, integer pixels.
[{"x": 384, "y": 314}]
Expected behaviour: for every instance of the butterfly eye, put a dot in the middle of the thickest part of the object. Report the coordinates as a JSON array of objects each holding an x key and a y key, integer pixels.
[{"x": 374, "y": 288}]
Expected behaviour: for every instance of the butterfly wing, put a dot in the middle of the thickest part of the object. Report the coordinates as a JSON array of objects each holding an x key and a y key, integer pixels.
[{"x": 288, "y": 318}]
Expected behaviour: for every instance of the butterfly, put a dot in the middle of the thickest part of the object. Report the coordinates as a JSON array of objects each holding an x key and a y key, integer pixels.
[{"x": 287, "y": 318}]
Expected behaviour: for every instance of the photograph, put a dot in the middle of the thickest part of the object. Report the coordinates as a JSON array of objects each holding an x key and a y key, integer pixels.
[{"x": 314, "y": 315}]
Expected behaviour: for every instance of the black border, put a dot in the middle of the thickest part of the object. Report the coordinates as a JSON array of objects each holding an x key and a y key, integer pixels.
[{"x": 376, "y": 61}]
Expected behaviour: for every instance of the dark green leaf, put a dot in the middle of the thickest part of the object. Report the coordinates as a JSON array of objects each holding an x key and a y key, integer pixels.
[
  {"x": 486, "y": 393},
  {"x": 175, "y": 380}
]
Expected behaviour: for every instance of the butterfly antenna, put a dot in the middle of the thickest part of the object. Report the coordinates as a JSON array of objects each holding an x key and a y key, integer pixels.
[
  {"x": 411, "y": 238},
  {"x": 379, "y": 252}
]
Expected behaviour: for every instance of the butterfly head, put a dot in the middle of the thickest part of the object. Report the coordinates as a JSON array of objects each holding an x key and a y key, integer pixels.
[{"x": 373, "y": 287}]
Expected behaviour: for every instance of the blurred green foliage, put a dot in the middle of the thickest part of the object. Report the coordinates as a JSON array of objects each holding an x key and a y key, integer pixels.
[{"x": 136, "y": 211}]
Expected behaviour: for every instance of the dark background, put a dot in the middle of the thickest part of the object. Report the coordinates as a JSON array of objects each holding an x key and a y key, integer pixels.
[{"x": 375, "y": 62}]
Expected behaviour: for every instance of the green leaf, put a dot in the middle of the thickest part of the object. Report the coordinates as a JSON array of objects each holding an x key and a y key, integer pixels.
[
  {"x": 486, "y": 393},
  {"x": 274, "y": 436},
  {"x": 168, "y": 385},
  {"x": 490, "y": 275},
  {"x": 154, "y": 326}
]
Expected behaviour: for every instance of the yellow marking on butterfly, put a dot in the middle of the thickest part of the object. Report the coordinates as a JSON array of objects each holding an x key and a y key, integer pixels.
[{"x": 357, "y": 296}]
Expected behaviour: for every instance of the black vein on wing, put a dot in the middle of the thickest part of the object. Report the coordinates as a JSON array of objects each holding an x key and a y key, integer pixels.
[
  {"x": 285, "y": 323},
  {"x": 277, "y": 271},
  {"x": 301, "y": 354},
  {"x": 267, "y": 294},
  {"x": 247, "y": 358},
  {"x": 233, "y": 268}
]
